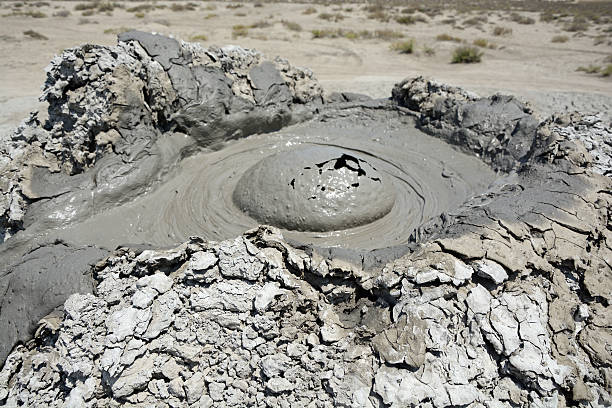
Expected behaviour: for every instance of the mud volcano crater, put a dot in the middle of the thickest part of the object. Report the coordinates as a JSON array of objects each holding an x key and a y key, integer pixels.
[{"x": 390, "y": 210}]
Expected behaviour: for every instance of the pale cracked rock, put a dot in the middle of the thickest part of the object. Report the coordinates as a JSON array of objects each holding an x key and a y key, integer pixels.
[
  {"x": 403, "y": 343},
  {"x": 237, "y": 260},
  {"x": 490, "y": 270},
  {"x": 279, "y": 385}
]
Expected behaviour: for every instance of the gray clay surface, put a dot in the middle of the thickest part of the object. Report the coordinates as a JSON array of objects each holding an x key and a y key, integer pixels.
[{"x": 477, "y": 271}]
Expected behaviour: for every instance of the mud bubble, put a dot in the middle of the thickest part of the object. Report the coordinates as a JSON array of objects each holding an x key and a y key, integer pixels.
[{"x": 314, "y": 189}]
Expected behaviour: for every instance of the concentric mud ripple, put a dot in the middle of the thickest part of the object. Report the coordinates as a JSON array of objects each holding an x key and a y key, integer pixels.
[{"x": 429, "y": 177}]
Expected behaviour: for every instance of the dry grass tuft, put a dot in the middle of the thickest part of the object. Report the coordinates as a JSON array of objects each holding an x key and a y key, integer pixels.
[
  {"x": 290, "y": 25},
  {"x": 560, "y": 39},
  {"x": 335, "y": 17},
  {"x": 466, "y": 55},
  {"x": 502, "y": 31},
  {"x": 35, "y": 35},
  {"x": 447, "y": 37},
  {"x": 403, "y": 47},
  {"x": 309, "y": 10},
  {"x": 521, "y": 19}
]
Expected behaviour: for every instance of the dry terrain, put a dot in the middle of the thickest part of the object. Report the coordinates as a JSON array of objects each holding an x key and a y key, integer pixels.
[{"x": 547, "y": 56}]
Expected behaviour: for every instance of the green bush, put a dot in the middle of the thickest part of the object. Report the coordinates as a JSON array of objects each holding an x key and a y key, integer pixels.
[{"x": 466, "y": 55}]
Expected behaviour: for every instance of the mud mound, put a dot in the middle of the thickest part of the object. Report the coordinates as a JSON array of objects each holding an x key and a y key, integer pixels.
[{"x": 437, "y": 248}]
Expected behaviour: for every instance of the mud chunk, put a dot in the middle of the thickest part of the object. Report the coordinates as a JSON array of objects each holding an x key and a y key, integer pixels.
[{"x": 490, "y": 270}]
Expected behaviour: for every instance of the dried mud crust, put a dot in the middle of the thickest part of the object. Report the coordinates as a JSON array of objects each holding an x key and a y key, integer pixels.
[{"x": 504, "y": 301}]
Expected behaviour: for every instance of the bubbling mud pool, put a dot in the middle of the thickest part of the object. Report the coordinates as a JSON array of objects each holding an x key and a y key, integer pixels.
[{"x": 378, "y": 182}]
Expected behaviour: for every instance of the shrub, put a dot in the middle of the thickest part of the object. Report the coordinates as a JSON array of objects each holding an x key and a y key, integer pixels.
[
  {"x": 88, "y": 13},
  {"x": 163, "y": 22},
  {"x": 331, "y": 17},
  {"x": 607, "y": 71},
  {"x": 258, "y": 4},
  {"x": 105, "y": 7},
  {"x": 475, "y": 21},
  {"x": 484, "y": 43},
  {"x": 447, "y": 37},
  {"x": 466, "y": 55},
  {"x": 117, "y": 30},
  {"x": 290, "y": 25},
  {"x": 199, "y": 37},
  {"x": 35, "y": 35},
  {"x": 579, "y": 23},
  {"x": 141, "y": 8},
  {"x": 560, "y": 39},
  {"x": 403, "y": 47},
  {"x": 518, "y": 18},
  {"x": 547, "y": 17},
  {"x": 233, "y": 6},
  {"x": 591, "y": 69},
  {"x": 211, "y": 15},
  {"x": 210, "y": 7},
  {"x": 450, "y": 20},
  {"x": 499, "y": 31},
  {"x": 61, "y": 13},
  {"x": 239, "y": 31},
  {"x": 429, "y": 51},
  {"x": 260, "y": 24},
  {"x": 86, "y": 6},
  {"x": 380, "y": 16},
  {"x": 309, "y": 10}
]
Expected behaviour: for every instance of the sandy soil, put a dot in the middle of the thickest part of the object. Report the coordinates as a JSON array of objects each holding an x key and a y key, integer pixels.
[{"x": 525, "y": 63}]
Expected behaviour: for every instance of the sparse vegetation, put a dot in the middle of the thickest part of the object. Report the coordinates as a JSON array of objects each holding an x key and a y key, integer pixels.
[
  {"x": 578, "y": 23},
  {"x": 88, "y": 13},
  {"x": 209, "y": 16},
  {"x": 447, "y": 37},
  {"x": 521, "y": 19},
  {"x": 560, "y": 39},
  {"x": 403, "y": 47},
  {"x": 484, "y": 43},
  {"x": 199, "y": 37},
  {"x": 309, "y": 10},
  {"x": 234, "y": 6},
  {"x": 411, "y": 19},
  {"x": 502, "y": 31},
  {"x": 335, "y": 17},
  {"x": 61, "y": 13},
  {"x": 607, "y": 71},
  {"x": 117, "y": 31},
  {"x": 475, "y": 21},
  {"x": 379, "y": 16},
  {"x": 429, "y": 51},
  {"x": 183, "y": 7},
  {"x": 466, "y": 55},
  {"x": 290, "y": 25},
  {"x": 239, "y": 31},
  {"x": 86, "y": 6},
  {"x": 386, "y": 35},
  {"x": 259, "y": 24},
  {"x": 35, "y": 35},
  {"x": 591, "y": 69}
]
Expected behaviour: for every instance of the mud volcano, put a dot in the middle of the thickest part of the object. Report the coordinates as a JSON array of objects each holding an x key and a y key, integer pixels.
[{"x": 431, "y": 249}]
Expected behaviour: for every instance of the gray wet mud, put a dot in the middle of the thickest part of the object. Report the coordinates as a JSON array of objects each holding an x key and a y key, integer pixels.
[
  {"x": 475, "y": 269},
  {"x": 426, "y": 177}
]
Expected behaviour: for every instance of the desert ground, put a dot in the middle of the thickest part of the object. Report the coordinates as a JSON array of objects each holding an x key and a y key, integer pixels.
[{"x": 555, "y": 56}]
